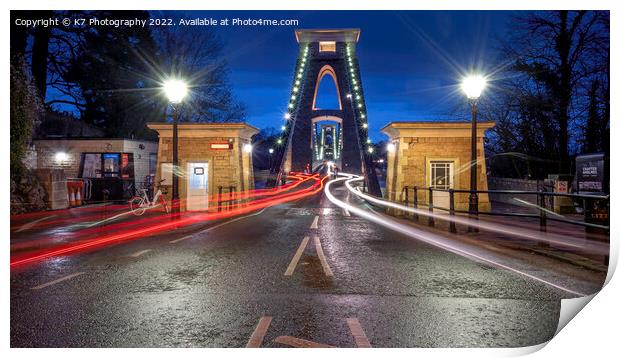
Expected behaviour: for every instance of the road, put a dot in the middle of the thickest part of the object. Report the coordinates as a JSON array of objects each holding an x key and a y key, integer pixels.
[{"x": 304, "y": 273}]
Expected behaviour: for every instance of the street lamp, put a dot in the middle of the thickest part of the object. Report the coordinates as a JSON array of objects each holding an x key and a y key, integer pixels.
[
  {"x": 270, "y": 160},
  {"x": 175, "y": 90},
  {"x": 473, "y": 86}
]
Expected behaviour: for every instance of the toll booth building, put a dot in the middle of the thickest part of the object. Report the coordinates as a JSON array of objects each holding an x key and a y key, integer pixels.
[
  {"x": 437, "y": 155},
  {"x": 214, "y": 158}
]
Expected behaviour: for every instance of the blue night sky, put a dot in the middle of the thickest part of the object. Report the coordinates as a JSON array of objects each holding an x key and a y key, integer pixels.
[{"x": 411, "y": 61}]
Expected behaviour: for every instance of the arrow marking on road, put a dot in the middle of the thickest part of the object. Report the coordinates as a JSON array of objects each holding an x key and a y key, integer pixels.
[
  {"x": 315, "y": 223},
  {"x": 300, "y": 343},
  {"x": 256, "y": 339},
  {"x": 140, "y": 253},
  {"x": 358, "y": 333},
  {"x": 291, "y": 267},
  {"x": 57, "y": 280},
  {"x": 319, "y": 251},
  {"x": 181, "y": 239}
]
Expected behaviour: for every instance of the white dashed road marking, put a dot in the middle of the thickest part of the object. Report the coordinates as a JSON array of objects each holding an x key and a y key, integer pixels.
[
  {"x": 319, "y": 251},
  {"x": 256, "y": 339},
  {"x": 300, "y": 343},
  {"x": 291, "y": 267},
  {"x": 33, "y": 223},
  {"x": 315, "y": 223},
  {"x": 181, "y": 239},
  {"x": 64, "y": 278},
  {"x": 358, "y": 333},
  {"x": 136, "y": 254}
]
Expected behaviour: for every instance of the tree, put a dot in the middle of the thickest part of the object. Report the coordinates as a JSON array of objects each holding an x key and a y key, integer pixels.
[
  {"x": 556, "y": 53},
  {"x": 25, "y": 111},
  {"x": 195, "y": 54},
  {"x": 113, "y": 78}
]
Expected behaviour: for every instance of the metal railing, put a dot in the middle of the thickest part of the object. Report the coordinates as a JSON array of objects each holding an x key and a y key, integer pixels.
[
  {"x": 229, "y": 199},
  {"x": 541, "y": 205}
]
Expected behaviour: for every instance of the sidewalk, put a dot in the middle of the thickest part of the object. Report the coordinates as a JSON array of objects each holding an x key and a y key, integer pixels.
[{"x": 556, "y": 251}]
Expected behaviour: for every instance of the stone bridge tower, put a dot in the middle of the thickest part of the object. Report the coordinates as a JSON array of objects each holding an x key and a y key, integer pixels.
[{"x": 312, "y": 134}]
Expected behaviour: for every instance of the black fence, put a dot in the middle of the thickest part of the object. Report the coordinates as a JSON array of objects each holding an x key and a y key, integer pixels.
[{"x": 595, "y": 215}]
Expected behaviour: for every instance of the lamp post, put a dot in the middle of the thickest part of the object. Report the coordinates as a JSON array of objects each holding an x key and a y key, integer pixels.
[
  {"x": 175, "y": 90},
  {"x": 473, "y": 86},
  {"x": 270, "y": 160}
]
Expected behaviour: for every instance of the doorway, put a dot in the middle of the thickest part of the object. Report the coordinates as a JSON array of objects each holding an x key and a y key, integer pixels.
[
  {"x": 197, "y": 186},
  {"x": 442, "y": 178}
]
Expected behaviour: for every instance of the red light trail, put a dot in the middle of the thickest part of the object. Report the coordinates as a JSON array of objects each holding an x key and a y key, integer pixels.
[{"x": 240, "y": 208}]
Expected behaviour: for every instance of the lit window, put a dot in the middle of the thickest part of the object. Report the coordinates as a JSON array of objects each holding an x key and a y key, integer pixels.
[{"x": 327, "y": 46}]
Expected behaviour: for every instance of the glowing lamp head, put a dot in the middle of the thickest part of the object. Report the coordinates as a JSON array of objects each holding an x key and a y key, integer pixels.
[
  {"x": 287, "y": 116},
  {"x": 279, "y": 140},
  {"x": 473, "y": 86},
  {"x": 61, "y": 156},
  {"x": 371, "y": 149},
  {"x": 175, "y": 90},
  {"x": 247, "y": 148},
  {"x": 391, "y": 147},
  {"x": 349, "y": 95},
  {"x": 270, "y": 150}
]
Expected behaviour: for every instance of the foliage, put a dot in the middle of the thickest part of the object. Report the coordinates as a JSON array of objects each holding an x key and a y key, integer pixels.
[
  {"x": 25, "y": 111},
  {"x": 555, "y": 57}
]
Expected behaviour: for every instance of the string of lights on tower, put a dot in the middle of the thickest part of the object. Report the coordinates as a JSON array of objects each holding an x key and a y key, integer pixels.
[
  {"x": 357, "y": 96},
  {"x": 298, "y": 80}
]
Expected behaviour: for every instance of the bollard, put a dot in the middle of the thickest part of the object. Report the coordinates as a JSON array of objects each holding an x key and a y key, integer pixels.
[
  {"x": 543, "y": 215},
  {"x": 230, "y": 197},
  {"x": 452, "y": 224},
  {"x": 431, "y": 220},
  {"x": 219, "y": 198},
  {"x": 415, "y": 201}
]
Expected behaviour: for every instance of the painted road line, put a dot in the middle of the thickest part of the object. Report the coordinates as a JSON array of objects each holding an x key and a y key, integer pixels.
[
  {"x": 346, "y": 212},
  {"x": 327, "y": 211},
  {"x": 64, "y": 278},
  {"x": 300, "y": 343},
  {"x": 232, "y": 221},
  {"x": 140, "y": 253},
  {"x": 319, "y": 251},
  {"x": 30, "y": 224},
  {"x": 256, "y": 339},
  {"x": 181, "y": 239},
  {"x": 315, "y": 223},
  {"x": 291, "y": 267},
  {"x": 358, "y": 333}
]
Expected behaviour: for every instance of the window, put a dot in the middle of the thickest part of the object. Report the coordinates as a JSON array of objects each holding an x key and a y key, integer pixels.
[
  {"x": 111, "y": 165},
  {"x": 441, "y": 175},
  {"x": 107, "y": 165},
  {"x": 327, "y": 46},
  {"x": 92, "y": 166}
]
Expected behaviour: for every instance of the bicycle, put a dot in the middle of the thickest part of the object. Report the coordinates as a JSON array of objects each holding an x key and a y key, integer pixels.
[{"x": 139, "y": 204}]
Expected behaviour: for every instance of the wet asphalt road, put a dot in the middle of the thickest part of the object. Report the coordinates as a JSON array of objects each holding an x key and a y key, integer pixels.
[{"x": 212, "y": 289}]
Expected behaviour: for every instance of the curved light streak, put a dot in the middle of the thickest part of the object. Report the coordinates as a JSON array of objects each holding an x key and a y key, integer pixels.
[
  {"x": 431, "y": 238},
  {"x": 591, "y": 247}
]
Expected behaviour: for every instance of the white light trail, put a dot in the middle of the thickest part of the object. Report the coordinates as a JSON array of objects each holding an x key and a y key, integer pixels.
[
  {"x": 430, "y": 238},
  {"x": 571, "y": 242}
]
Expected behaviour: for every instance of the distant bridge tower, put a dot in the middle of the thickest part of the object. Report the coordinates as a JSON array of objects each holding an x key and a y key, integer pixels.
[{"x": 312, "y": 134}]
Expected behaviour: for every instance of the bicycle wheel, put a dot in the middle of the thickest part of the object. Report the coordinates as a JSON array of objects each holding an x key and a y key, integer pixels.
[{"x": 136, "y": 205}]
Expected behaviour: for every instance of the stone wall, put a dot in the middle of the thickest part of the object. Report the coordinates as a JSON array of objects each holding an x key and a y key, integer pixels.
[
  {"x": 416, "y": 144},
  {"x": 226, "y": 167}
]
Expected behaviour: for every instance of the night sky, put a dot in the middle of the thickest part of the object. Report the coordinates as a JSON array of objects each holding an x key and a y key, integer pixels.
[{"x": 411, "y": 61}]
